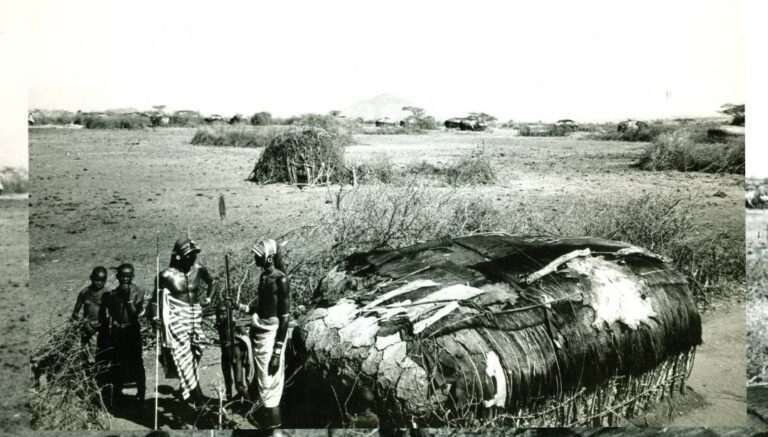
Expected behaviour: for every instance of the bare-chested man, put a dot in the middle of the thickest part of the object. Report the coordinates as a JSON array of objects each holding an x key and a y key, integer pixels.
[
  {"x": 181, "y": 298},
  {"x": 89, "y": 300},
  {"x": 269, "y": 330}
]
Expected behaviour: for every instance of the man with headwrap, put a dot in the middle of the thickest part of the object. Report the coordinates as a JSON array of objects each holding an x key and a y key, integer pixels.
[
  {"x": 119, "y": 318},
  {"x": 269, "y": 331},
  {"x": 89, "y": 300},
  {"x": 181, "y": 296}
]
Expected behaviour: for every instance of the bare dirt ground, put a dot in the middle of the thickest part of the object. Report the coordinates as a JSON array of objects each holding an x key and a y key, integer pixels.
[
  {"x": 101, "y": 196},
  {"x": 716, "y": 370},
  {"x": 14, "y": 285}
]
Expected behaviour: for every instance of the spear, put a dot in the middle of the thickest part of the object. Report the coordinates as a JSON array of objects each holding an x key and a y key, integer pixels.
[{"x": 157, "y": 317}]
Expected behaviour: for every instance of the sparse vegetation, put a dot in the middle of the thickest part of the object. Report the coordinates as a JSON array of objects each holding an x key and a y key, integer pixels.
[
  {"x": 66, "y": 395},
  {"x": 662, "y": 224},
  {"x": 236, "y": 136},
  {"x": 381, "y": 216},
  {"x": 120, "y": 121},
  {"x": 643, "y": 134},
  {"x": 543, "y": 131},
  {"x": 679, "y": 151},
  {"x": 472, "y": 169},
  {"x": 387, "y": 216},
  {"x": 393, "y": 130},
  {"x": 14, "y": 180}
]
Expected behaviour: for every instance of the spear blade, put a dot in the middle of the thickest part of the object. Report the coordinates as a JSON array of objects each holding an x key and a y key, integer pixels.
[{"x": 222, "y": 208}]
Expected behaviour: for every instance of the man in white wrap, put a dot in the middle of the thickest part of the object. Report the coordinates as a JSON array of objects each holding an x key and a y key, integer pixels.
[
  {"x": 181, "y": 296},
  {"x": 269, "y": 330}
]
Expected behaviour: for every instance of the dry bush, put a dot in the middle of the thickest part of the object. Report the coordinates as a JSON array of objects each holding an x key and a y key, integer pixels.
[
  {"x": 65, "y": 395},
  {"x": 661, "y": 224},
  {"x": 14, "y": 180},
  {"x": 261, "y": 119},
  {"x": 644, "y": 134},
  {"x": 341, "y": 129},
  {"x": 379, "y": 169},
  {"x": 382, "y": 217},
  {"x": 472, "y": 169},
  {"x": 119, "y": 121},
  {"x": 53, "y": 117},
  {"x": 679, "y": 151},
  {"x": 237, "y": 136},
  {"x": 394, "y": 130},
  {"x": 549, "y": 131}
]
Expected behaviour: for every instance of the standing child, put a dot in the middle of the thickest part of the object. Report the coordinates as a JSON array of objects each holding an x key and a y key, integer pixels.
[{"x": 89, "y": 300}]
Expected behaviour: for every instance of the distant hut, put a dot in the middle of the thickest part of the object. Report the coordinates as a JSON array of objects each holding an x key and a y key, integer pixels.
[
  {"x": 631, "y": 126},
  {"x": 300, "y": 156},
  {"x": 567, "y": 124},
  {"x": 497, "y": 329},
  {"x": 472, "y": 124},
  {"x": 386, "y": 122},
  {"x": 214, "y": 118},
  {"x": 453, "y": 123}
]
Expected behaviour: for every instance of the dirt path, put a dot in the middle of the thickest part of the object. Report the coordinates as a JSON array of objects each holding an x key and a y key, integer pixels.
[{"x": 719, "y": 372}]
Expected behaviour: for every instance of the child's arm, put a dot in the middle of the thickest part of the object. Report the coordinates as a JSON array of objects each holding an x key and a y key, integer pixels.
[{"x": 78, "y": 305}]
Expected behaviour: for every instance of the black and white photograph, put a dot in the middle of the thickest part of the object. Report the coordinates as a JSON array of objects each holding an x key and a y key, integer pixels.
[{"x": 403, "y": 218}]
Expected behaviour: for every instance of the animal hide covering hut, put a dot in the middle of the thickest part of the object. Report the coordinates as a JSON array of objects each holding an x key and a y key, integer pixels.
[{"x": 493, "y": 329}]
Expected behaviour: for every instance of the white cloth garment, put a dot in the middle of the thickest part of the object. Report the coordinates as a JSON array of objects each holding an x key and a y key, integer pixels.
[{"x": 263, "y": 334}]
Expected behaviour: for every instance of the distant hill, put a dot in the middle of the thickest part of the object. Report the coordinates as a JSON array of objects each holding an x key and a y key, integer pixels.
[{"x": 383, "y": 105}]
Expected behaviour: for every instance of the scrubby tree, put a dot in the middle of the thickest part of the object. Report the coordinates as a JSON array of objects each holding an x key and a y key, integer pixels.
[
  {"x": 419, "y": 118},
  {"x": 416, "y": 112},
  {"x": 261, "y": 119},
  {"x": 334, "y": 113},
  {"x": 237, "y": 118},
  {"x": 482, "y": 116},
  {"x": 736, "y": 111}
]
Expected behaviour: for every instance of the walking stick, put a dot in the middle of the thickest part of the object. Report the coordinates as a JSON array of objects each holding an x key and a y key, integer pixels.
[{"x": 157, "y": 317}]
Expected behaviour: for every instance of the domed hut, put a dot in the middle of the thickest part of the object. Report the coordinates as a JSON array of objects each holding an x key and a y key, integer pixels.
[
  {"x": 498, "y": 330},
  {"x": 300, "y": 156}
]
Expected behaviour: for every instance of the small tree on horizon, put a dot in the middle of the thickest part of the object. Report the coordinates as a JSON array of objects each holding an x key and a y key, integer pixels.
[
  {"x": 482, "y": 116},
  {"x": 738, "y": 112},
  {"x": 263, "y": 118}
]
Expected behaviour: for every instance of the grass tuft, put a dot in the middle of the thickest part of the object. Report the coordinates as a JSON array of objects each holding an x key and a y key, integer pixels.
[{"x": 14, "y": 180}]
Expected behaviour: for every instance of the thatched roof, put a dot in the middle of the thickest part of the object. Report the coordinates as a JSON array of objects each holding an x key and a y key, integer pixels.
[{"x": 451, "y": 327}]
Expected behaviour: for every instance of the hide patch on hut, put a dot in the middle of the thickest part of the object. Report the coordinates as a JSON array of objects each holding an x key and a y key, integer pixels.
[{"x": 500, "y": 330}]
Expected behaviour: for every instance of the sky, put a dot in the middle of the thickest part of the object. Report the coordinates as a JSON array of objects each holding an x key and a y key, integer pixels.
[{"x": 544, "y": 60}]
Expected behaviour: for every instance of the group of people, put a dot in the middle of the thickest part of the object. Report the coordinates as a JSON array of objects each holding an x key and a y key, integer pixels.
[{"x": 252, "y": 359}]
